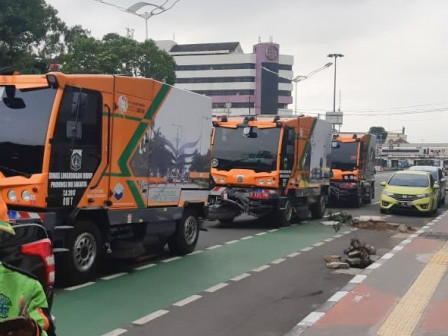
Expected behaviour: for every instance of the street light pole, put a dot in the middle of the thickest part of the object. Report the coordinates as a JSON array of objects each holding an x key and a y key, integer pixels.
[
  {"x": 156, "y": 10},
  {"x": 334, "y": 90},
  {"x": 301, "y": 78},
  {"x": 298, "y": 78}
]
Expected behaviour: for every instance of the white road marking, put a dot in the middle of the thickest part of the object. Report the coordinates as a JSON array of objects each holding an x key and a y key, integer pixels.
[
  {"x": 240, "y": 277},
  {"x": 397, "y": 248},
  {"x": 273, "y": 230},
  {"x": 292, "y": 255},
  {"x": 337, "y": 296},
  {"x": 79, "y": 286},
  {"x": 377, "y": 202},
  {"x": 144, "y": 267},
  {"x": 387, "y": 256},
  {"x": 311, "y": 318},
  {"x": 261, "y": 268},
  {"x": 113, "y": 276},
  {"x": 306, "y": 249},
  {"x": 231, "y": 242},
  {"x": 170, "y": 259},
  {"x": 216, "y": 287},
  {"x": 115, "y": 332},
  {"x": 196, "y": 252},
  {"x": 213, "y": 247},
  {"x": 246, "y": 238},
  {"x": 318, "y": 244},
  {"x": 328, "y": 240},
  {"x": 261, "y": 233},
  {"x": 278, "y": 261},
  {"x": 150, "y": 317},
  {"x": 374, "y": 266},
  {"x": 187, "y": 300},
  {"x": 358, "y": 278}
]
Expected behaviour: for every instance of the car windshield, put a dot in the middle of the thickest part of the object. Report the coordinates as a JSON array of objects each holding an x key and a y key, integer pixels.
[
  {"x": 24, "y": 116},
  {"x": 344, "y": 155},
  {"x": 236, "y": 148},
  {"x": 433, "y": 172},
  {"x": 409, "y": 180}
]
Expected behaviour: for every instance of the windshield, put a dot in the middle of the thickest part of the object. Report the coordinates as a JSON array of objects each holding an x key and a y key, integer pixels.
[
  {"x": 256, "y": 150},
  {"x": 344, "y": 155},
  {"x": 409, "y": 180},
  {"x": 24, "y": 116}
]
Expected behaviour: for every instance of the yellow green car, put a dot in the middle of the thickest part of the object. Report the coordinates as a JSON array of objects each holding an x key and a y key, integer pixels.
[{"x": 409, "y": 191}]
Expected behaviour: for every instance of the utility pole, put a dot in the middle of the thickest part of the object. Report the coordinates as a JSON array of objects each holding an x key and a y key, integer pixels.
[{"x": 334, "y": 90}]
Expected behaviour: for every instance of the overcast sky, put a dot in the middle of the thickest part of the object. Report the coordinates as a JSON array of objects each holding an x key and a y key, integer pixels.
[{"x": 394, "y": 73}]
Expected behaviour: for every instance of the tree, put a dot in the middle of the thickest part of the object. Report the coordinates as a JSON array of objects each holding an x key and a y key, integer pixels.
[
  {"x": 115, "y": 54},
  {"x": 379, "y": 132},
  {"x": 31, "y": 35}
]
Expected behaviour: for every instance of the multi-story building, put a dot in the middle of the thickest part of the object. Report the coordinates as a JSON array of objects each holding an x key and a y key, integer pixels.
[{"x": 238, "y": 83}]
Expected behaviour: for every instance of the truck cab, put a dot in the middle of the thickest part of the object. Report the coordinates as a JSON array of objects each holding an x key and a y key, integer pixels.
[
  {"x": 353, "y": 169},
  {"x": 269, "y": 166}
]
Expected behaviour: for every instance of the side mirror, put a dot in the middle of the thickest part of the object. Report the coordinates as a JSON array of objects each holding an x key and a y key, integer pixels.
[
  {"x": 383, "y": 183},
  {"x": 436, "y": 186},
  {"x": 334, "y": 144}
]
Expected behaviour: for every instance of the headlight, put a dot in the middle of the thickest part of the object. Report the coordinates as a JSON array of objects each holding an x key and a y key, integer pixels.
[
  {"x": 387, "y": 193},
  {"x": 214, "y": 163},
  {"x": 12, "y": 195},
  {"x": 422, "y": 195},
  {"x": 260, "y": 181},
  {"x": 26, "y": 195}
]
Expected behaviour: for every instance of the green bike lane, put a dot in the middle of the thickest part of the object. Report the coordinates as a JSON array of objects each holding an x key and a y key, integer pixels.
[{"x": 110, "y": 304}]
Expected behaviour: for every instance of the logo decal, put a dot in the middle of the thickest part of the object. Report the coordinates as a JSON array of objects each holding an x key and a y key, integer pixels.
[
  {"x": 5, "y": 305},
  {"x": 118, "y": 192},
  {"x": 122, "y": 104},
  {"x": 76, "y": 159}
]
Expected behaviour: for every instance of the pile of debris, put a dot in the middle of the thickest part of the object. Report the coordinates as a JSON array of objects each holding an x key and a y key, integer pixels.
[{"x": 357, "y": 255}]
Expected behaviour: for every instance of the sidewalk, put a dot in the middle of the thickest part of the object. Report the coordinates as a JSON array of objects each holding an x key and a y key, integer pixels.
[{"x": 403, "y": 293}]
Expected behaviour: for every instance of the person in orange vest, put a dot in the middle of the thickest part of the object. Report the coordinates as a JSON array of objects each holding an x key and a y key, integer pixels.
[{"x": 23, "y": 303}]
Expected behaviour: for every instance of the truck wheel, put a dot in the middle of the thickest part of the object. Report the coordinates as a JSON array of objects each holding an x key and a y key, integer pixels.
[
  {"x": 318, "y": 209},
  {"x": 357, "y": 201},
  {"x": 184, "y": 240},
  {"x": 285, "y": 214},
  {"x": 84, "y": 256}
]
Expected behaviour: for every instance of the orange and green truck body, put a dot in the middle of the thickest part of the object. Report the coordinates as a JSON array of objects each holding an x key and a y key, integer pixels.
[
  {"x": 269, "y": 166},
  {"x": 104, "y": 163},
  {"x": 353, "y": 169}
]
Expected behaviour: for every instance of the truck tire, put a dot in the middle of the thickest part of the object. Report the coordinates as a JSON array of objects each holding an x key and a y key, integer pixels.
[
  {"x": 184, "y": 240},
  {"x": 318, "y": 209},
  {"x": 284, "y": 216},
  {"x": 85, "y": 253}
]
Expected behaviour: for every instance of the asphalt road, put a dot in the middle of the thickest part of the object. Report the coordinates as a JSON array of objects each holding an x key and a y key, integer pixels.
[{"x": 248, "y": 278}]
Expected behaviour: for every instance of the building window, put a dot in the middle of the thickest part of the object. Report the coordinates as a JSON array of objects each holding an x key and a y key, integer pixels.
[
  {"x": 215, "y": 66},
  {"x": 215, "y": 80}
]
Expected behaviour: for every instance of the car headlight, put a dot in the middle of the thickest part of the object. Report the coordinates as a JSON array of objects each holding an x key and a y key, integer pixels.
[
  {"x": 12, "y": 195},
  {"x": 26, "y": 196},
  {"x": 422, "y": 195},
  {"x": 387, "y": 193}
]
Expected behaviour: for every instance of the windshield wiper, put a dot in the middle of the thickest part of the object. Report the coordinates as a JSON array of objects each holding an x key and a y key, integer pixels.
[{"x": 27, "y": 175}]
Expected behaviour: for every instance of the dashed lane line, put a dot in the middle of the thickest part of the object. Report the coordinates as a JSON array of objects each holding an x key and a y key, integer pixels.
[
  {"x": 79, "y": 286},
  {"x": 171, "y": 259},
  {"x": 240, "y": 277},
  {"x": 116, "y": 332},
  {"x": 113, "y": 276},
  {"x": 140, "y": 268},
  {"x": 216, "y": 287},
  {"x": 187, "y": 300},
  {"x": 150, "y": 317},
  {"x": 261, "y": 268}
]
